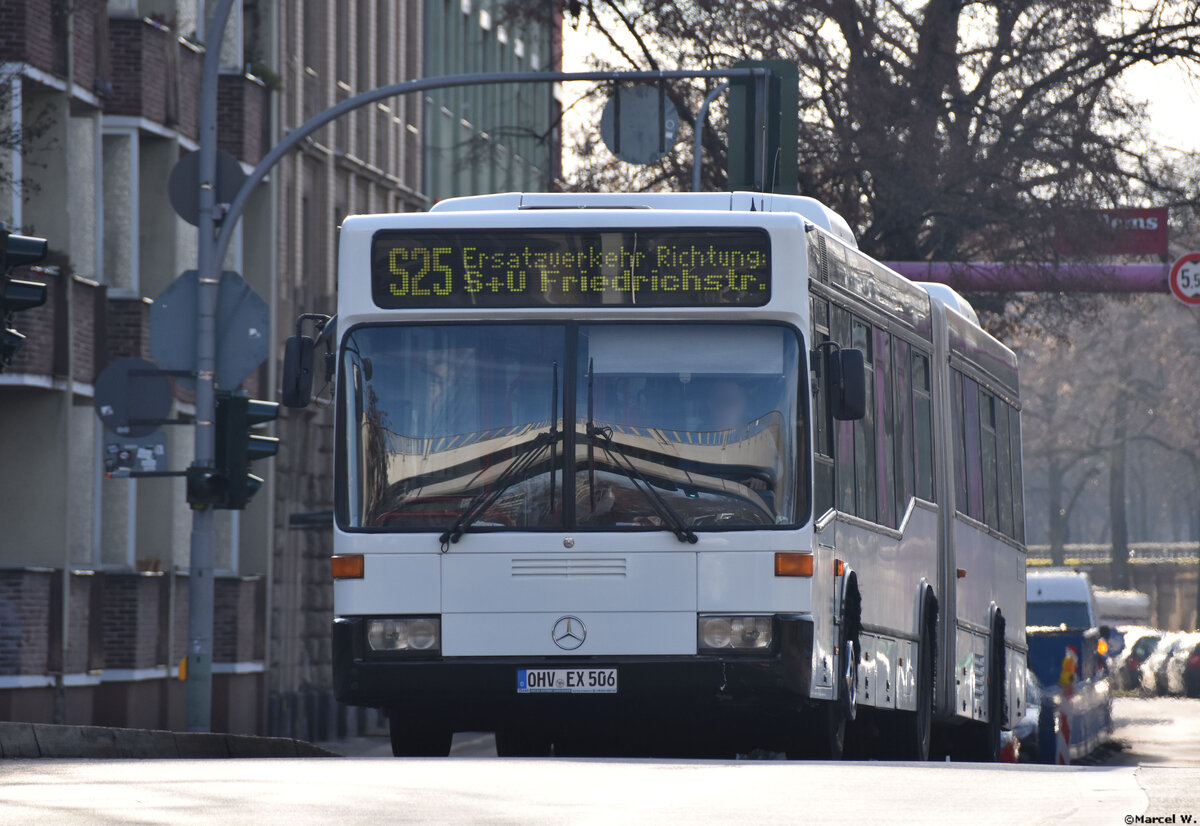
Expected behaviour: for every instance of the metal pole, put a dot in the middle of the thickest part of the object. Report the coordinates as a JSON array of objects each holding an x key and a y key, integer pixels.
[
  {"x": 616, "y": 118},
  {"x": 200, "y": 581},
  {"x": 662, "y": 116},
  {"x": 296, "y": 136},
  {"x": 761, "y": 93},
  {"x": 701, "y": 118}
]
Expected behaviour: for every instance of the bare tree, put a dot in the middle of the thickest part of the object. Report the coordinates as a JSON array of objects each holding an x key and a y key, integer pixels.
[
  {"x": 1112, "y": 442},
  {"x": 943, "y": 129},
  {"x": 1060, "y": 455},
  {"x": 18, "y": 131}
]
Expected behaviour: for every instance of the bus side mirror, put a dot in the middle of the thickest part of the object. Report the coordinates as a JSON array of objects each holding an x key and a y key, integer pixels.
[
  {"x": 847, "y": 384},
  {"x": 297, "y": 372}
]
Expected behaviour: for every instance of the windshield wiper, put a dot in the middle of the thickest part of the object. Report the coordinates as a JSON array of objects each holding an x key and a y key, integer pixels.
[
  {"x": 510, "y": 475},
  {"x": 671, "y": 519},
  {"x": 506, "y": 479}
]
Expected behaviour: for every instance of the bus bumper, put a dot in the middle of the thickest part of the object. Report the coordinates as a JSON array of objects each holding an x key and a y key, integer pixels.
[{"x": 472, "y": 694}]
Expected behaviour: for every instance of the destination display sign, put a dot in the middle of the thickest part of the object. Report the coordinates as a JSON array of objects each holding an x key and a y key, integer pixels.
[{"x": 701, "y": 267}]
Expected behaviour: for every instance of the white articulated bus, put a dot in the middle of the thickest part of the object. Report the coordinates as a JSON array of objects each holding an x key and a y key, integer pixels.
[{"x": 667, "y": 473}]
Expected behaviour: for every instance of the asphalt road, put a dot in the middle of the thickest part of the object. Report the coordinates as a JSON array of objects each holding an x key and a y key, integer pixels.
[
  {"x": 1161, "y": 738},
  {"x": 1156, "y": 774},
  {"x": 1158, "y": 730}
]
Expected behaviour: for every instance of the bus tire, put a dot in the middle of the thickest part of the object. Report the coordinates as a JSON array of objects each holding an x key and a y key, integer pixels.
[
  {"x": 835, "y": 716},
  {"x": 820, "y": 728},
  {"x": 819, "y": 733},
  {"x": 997, "y": 682},
  {"x": 831, "y": 732},
  {"x": 412, "y": 737},
  {"x": 849, "y": 650},
  {"x": 913, "y": 730},
  {"x": 522, "y": 741},
  {"x": 980, "y": 741}
]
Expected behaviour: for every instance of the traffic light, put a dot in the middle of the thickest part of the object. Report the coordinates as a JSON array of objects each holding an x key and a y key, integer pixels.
[
  {"x": 237, "y": 446},
  {"x": 775, "y": 166},
  {"x": 17, "y": 295},
  {"x": 206, "y": 487},
  {"x": 19, "y": 250}
]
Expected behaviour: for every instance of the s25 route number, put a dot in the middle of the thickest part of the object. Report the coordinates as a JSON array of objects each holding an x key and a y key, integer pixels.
[
  {"x": 425, "y": 271},
  {"x": 1185, "y": 279},
  {"x": 431, "y": 272}
]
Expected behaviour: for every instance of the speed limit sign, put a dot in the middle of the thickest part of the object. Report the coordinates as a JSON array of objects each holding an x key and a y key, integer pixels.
[{"x": 1185, "y": 279}]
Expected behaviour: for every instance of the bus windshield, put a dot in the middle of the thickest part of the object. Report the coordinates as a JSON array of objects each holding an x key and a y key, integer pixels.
[{"x": 676, "y": 426}]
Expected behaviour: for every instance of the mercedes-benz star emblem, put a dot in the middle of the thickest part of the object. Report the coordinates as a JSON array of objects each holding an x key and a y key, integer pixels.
[{"x": 569, "y": 633}]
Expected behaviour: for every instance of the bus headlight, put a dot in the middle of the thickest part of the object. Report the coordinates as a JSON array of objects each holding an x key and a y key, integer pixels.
[
  {"x": 735, "y": 633},
  {"x": 412, "y": 634}
]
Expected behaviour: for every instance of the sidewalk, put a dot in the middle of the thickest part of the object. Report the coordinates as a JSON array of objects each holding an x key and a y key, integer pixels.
[{"x": 35, "y": 740}]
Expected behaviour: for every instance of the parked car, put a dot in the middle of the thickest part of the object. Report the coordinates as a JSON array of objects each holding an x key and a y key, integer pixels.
[
  {"x": 1139, "y": 644},
  {"x": 1191, "y": 673},
  {"x": 1153, "y": 672},
  {"x": 1026, "y": 729},
  {"x": 1177, "y": 663},
  {"x": 1125, "y": 609}
]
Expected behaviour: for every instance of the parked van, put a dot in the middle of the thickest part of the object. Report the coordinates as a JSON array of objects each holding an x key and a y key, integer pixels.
[
  {"x": 1068, "y": 655},
  {"x": 1059, "y": 599}
]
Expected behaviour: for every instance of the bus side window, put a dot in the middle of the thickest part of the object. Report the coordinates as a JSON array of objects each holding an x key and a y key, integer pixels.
[
  {"x": 820, "y": 335},
  {"x": 960, "y": 443},
  {"x": 922, "y": 398},
  {"x": 1004, "y": 466},
  {"x": 972, "y": 452},
  {"x": 822, "y": 441},
  {"x": 1014, "y": 432},
  {"x": 903, "y": 430},
  {"x": 885, "y": 450},
  {"x": 843, "y": 431},
  {"x": 864, "y": 432},
  {"x": 987, "y": 454}
]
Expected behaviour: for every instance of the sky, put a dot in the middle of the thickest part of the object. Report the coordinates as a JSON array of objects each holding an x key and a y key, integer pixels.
[
  {"x": 1174, "y": 103},
  {"x": 1173, "y": 98}
]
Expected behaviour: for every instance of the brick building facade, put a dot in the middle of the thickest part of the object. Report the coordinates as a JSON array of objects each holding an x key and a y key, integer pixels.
[
  {"x": 104, "y": 98},
  {"x": 101, "y": 100}
]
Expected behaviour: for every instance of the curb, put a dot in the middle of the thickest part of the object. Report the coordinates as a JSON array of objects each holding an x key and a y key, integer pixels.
[{"x": 22, "y": 741}]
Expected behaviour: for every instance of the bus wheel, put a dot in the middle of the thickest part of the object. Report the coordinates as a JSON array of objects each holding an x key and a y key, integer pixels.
[
  {"x": 997, "y": 679},
  {"x": 913, "y": 729},
  {"x": 849, "y": 687},
  {"x": 980, "y": 742},
  {"x": 522, "y": 740},
  {"x": 829, "y": 729},
  {"x": 849, "y": 647},
  {"x": 832, "y": 732},
  {"x": 418, "y": 738},
  {"x": 818, "y": 732},
  {"x": 833, "y": 717},
  {"x": 821, "y": 729}
]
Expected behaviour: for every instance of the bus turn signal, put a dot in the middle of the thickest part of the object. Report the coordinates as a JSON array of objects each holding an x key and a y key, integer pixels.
[
  {"x": 793, "y": 564},
  {"x": 347, "y": 566}
]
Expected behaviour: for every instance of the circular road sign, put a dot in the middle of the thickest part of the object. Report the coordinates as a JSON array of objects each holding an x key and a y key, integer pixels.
[
  {"x": 183, "y": 184},
  {"x": 1185, "y": 279},
  {"x": 132, "y": 397},
  {"x": 640, "y": 125}
]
